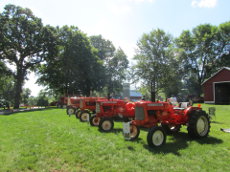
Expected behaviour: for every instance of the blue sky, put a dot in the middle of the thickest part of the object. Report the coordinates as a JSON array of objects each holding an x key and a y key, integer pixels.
[{"x": 124, "y": 21}]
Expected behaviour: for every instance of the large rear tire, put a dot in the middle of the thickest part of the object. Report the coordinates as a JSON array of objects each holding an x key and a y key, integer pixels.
[
  {"x": 156, "y": 137},
  {"x": 199, "y": 124},
  {"x": 106, "y": 124}
]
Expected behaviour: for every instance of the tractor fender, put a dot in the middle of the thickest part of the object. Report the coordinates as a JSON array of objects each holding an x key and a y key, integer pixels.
[
  {"x": 187, "y": 110},
  {"x": 88, "y": 110}
]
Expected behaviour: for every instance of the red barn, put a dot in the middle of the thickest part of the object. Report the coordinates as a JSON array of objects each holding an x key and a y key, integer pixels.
[{"x": 217, "y": 87}]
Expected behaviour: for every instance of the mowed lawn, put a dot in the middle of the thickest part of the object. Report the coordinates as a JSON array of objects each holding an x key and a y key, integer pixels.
[{"x": 49, "y": 140}]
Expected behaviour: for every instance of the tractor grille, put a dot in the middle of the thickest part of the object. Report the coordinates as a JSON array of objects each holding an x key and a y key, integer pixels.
[
  {"x": 107, "y": 108},
  {"x": 97, "y": 108},
  {"x": 139, "y": 113}
]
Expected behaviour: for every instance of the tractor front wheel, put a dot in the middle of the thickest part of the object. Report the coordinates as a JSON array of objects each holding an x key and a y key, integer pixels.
[
  {"x": 70, "y": 111},
  {"x": 84, "y": 116},
  {"x": 106, "y": 124},
  {"x": 170, "y": 129},
  {"x": 134, "y": 132},
  {"x": 199, "y": 124},
  {"x": 94, "y": 121},
  {"x": 156, "y": 137}
]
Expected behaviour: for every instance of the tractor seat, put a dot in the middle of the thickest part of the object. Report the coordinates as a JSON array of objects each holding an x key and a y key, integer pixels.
[{"x": 182, "y": 105}]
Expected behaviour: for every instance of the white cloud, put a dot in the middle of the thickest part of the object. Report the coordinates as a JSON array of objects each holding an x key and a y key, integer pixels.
[{"x": 204, "y": 3}]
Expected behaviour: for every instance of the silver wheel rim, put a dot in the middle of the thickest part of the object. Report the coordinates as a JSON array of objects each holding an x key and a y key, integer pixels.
[
  {"x": 106, "y": 125},
  {"x": 85, "y": 116},
  {"x": 133, "y": 131},
  {"x": 202, "y": 126},
  {"x": 70, "y": 111},
  {"x": 158, "y": 138},
  {"x": 96, "y": 120}
]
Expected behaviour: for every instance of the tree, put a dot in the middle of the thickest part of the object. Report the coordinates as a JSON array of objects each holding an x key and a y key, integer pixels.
[
  {"x": 201, "y": 53},
  {"x": 6, "y": 84},
  {"x": 25, "y": 95},
  {"x": 152, "y": 61},
  {"x": 105, "y": 47},
  {"x": 72, "y": 71},
  {"x": 24, "y": 42},
  {"x": 115, "y": 63},
  {"x": 115, "y": 70},
  {"x": 42, "y": 99}
]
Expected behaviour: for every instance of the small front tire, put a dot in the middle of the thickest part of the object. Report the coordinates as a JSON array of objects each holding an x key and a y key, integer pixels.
[
  {"x": 134, "y": 132},
  {"x": 156, "y": 137},
  {"x": 84, "y": 116},
  {"x": 106, "y": 124},
  {"x": 94, "y": 121}
]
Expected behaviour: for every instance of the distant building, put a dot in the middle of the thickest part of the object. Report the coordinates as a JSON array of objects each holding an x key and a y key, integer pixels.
[
  {"x": 217, "y": 87},
  {"x": 135, "y": 95},
  {"x": 132, "y": 95}
]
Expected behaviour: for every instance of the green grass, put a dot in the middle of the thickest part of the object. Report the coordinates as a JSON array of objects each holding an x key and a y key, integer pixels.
[{"x": 49, "y": 140}]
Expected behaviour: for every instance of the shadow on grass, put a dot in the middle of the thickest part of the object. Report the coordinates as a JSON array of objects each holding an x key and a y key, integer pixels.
[
  {"x": 13, "y": 111},
  {"x": 180, "y": 141},
  {"x": 115, "y": 131}
]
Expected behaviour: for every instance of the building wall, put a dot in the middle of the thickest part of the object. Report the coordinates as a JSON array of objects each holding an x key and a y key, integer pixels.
[{"x": 208, "y": 87}]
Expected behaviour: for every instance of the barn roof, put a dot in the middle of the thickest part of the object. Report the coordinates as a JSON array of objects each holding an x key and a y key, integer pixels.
[{"x": 227, "y": 68}]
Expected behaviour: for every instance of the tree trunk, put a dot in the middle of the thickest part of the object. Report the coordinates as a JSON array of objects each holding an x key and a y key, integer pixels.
[
  {"x": 153, "y": 92},
  {"x": 18, "y": 87},
  {"x": 153, "y": 96}
]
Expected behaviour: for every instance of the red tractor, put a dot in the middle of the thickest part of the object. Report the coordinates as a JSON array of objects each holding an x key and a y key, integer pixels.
[
  {"x": 109, "y": 110},
  {"x": 73, "y": 105},
  {"x": 163, "y": 118},
  {"x": 87, "y": 108},
  {"x": 62, "y": 102}
]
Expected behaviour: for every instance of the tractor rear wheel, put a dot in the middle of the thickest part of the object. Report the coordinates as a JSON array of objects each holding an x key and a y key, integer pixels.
[
  {"x": 70, "y": 111},
  {"x": 106, "y": 124},
  {"x": 170, "y": 129},
  {"x": 134, "y": 132},
  {"x": 94, "y": 121},
  {"x": 156, "y": 136},
  {"x": 199, "y": 124},
  {"x": 84, "y": 116}
]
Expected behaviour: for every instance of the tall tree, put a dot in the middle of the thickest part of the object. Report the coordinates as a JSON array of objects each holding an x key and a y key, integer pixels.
[
  {"x": 24, "y": 42},
  {"x": 114, "y": 61},
  {"x": 152, "y": 61},
  {"x": 115, "y": 70},
  {"x": 202, "y": 49},
  {"x": 25, "y": 95},
  {"x": 76, "y": 69}
]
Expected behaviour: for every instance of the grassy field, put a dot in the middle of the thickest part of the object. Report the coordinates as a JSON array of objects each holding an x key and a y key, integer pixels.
[{"x": 49, "y": 140}]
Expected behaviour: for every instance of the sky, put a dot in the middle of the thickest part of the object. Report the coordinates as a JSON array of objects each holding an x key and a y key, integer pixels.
[{"x": 124, "y": 21}]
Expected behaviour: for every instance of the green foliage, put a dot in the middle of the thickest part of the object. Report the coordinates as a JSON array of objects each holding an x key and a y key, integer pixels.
[
  {"x": 25, "y": 43},
  {"x": 49, "y": 140},
  {"x": 154, "y": 61},
  {"x": 73, "y": 70},
  {"x": 25, "y": 95},
  {"x": 6, "y": 84},
  {"x": 201, "y": 53},
  {"x": 115, "y": 63}
]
